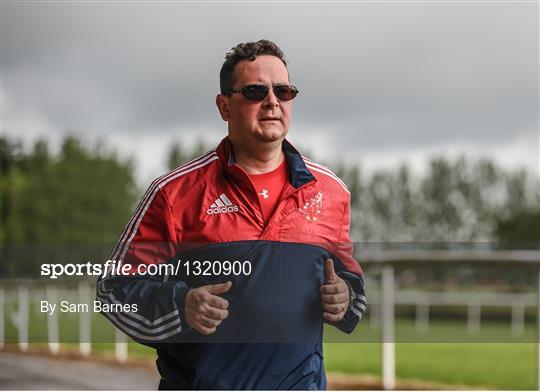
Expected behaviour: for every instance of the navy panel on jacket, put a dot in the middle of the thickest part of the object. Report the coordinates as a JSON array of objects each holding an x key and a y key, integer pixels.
[{"x": 272, "y": 338}]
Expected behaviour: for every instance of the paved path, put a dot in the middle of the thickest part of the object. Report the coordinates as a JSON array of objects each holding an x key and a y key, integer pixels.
[{"x": 31, "y": 372}]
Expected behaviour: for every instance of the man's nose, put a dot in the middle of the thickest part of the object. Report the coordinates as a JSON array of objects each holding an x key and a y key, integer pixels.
[{"x": 271, "y": 99}]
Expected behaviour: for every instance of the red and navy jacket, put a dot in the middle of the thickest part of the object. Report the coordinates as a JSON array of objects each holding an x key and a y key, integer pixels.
[{"x": 209, "y": 210}]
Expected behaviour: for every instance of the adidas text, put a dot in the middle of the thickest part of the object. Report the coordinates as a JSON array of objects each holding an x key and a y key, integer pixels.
[{"x": 222, "y": 210}]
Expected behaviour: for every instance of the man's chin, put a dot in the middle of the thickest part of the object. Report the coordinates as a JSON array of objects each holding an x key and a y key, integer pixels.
[{"x": 271, "y": 136}]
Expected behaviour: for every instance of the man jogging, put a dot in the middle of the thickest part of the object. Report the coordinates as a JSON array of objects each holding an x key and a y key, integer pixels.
[{"x": 259, "y": 239}]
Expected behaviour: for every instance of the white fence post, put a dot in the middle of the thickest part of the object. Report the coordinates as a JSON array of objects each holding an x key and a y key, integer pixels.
[
  {"x": 374, "y": 315},
  {"x": 473, "y": 319},
  {"x": 2, "y": 322},
  {"x": 518, "y": 320},
  {"x": 52, "y": 321},
  {"x": 388, "y": 338},
  {"x": 22, "y": 318},
  {"x": 422, "y": 317},
  {"x": 538, "y": 335},
  {"x": 121, "y": 347},
  {"x": 85, "y": 321}
]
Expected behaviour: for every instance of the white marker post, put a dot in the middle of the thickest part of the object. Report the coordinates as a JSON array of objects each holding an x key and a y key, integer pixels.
[
  {"x": 388, "y": 338},
  {"x": 22, "y": 318},
  {"x": 84, "y": 321},
  {"x": 422, "y": 317},
  {"x": 518, "y": 320},
  {"x": 121, "y": 347},
  {"x": 538, "y": 337},
  {"x": 374, "y": 315},
  {"x": 52, "y": 321},
  {"x": 2, "y": 322},
  {"x": 473, "y": 318}
]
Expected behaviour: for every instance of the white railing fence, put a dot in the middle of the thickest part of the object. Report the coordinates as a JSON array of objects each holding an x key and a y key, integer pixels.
[
  {"x": 389, "y": 259},
  {"x": 24, "y": 295},
  {"x": 381, "y": 313}
]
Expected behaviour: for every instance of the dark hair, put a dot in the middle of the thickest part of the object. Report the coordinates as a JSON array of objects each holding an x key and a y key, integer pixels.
[{"x": 245, "y": 51}]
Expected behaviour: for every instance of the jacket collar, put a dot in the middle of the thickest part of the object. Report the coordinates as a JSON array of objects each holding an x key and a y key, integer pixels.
[{"x": 299, "y": 173}]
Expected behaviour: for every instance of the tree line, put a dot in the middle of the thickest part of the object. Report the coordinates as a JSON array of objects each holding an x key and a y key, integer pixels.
[
  {"x": 79, "y": 194},
  {"x": 456, "y": 200},
  {"x": 85, "y": 195},
  {"x": 67, "y": 206}
]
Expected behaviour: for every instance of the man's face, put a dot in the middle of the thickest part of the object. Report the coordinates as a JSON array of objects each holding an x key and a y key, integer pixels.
[{"x": 253, "y": 122}]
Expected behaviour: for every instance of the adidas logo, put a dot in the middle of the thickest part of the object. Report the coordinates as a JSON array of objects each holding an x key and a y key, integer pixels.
[{"x": 222, "y": 205}]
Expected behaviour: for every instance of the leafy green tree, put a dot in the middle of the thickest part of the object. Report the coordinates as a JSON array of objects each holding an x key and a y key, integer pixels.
[
  {"x": 80, "y": 196},
  {"x": 520, "y": 230},
  {"x": 461, "y": 200},
  {"x": 179, "y": 155}
]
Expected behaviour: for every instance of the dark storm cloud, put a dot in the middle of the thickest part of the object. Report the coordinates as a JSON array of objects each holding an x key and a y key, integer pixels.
[{"x": 376, "y": 75}]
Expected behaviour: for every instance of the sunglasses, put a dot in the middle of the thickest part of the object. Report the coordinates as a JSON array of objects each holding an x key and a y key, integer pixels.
[{"x": 258, "y": 92}]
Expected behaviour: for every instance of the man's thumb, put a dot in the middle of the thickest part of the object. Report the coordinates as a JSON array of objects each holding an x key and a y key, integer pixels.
[
  {"x": 329, "y": 272},
  {"x": 219, "y": 288}
]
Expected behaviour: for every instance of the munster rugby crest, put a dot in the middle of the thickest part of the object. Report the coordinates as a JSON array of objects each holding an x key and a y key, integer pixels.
[{"x": 312, "y": 209}]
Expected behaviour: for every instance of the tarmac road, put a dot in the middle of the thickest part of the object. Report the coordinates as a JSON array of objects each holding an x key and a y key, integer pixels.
[
  {"x": 31, "y": 372},
  {"x": 43, "y": 372}
]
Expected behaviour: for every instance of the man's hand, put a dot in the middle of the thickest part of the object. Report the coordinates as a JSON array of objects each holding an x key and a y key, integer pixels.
[
  {"x": 334, "y": 293},
  {"x": 205, "y": 310}
]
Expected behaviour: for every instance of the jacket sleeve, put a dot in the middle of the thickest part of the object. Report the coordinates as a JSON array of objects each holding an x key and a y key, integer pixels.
[
  {"x": 148, "y": 308},
  {"x": 349, "y": 270}
]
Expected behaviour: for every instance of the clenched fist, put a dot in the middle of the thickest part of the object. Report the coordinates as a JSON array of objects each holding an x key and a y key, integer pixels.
[
  {"x": 334, "y": 294},
  {"x": 205, "y": 310}
]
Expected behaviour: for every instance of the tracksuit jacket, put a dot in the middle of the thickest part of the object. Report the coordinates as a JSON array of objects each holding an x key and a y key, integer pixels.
[{"x": 208, "y": 210}]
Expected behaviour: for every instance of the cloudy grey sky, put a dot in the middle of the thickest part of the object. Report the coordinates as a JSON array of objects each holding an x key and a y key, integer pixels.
[{"x": 380, "y": 83}]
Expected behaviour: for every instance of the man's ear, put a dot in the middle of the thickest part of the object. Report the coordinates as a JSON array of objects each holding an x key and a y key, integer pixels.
[{"x": 222, "y": 103}]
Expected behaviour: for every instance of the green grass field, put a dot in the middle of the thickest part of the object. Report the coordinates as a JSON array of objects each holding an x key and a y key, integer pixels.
[
  {"x": 509, "y": 366},
  {"x": 486, "y": 365},
  {"x": 446, "y": 354}
]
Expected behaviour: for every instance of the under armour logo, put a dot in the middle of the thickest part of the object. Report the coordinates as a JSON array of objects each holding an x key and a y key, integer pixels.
[{"x": 264, "y": 194}]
